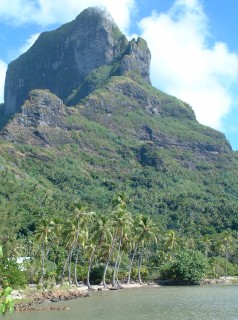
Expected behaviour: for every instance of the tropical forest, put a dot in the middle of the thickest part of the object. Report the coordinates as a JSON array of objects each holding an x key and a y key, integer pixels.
[{"x": 106, "y": 180}]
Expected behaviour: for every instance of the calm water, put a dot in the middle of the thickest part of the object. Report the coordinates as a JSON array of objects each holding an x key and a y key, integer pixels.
[{"x": 163, "y": 303}]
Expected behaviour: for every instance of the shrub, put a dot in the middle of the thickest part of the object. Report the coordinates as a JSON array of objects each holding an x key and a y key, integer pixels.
[
  {"x": 218, "y": 265},
  {"x": 11, "y": 274},
  {"x": 189, "y": 266}
]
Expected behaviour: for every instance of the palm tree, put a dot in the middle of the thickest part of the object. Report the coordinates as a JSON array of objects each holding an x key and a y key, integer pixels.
[
  {"x": 101, "y": 234},
  {"x": 69, "y": 236},
  {"x": 121, "y": 219},
  {"x": 82, "y": 220},
  {"x": 119, "y": 200},
  {"x": 207, "y": 245},
  {"x": 122, "y": 223},
  {"x": 43, "y": 234},
  {"x": 147, "y": 234},
  {"x": 171, "y": 243},
  {"x": 226, "y": 241},
  {"x": 133, "y": 244},
  {"x": 76, "y": 233}
]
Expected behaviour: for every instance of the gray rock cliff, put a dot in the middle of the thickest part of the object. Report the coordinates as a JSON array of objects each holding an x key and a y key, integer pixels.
[
  {"x": 40, "y": 122},
  {"x": 61, "y": 59}
]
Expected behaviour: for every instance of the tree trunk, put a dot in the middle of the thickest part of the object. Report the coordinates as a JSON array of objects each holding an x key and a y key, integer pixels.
[
  {"x": 64, "y": 268},
  {"x": 139, "y": 267},
  {"x": 43, "y": 265},
  {"x": 118, "y": 267},
  {"x": 116, "y": 263},
  {"x": 69, "y": 265},
  {"x": 130, "y": 266},
  {"x": 75, "y": 268},
  {"x": 90, "y": 267},
  {"x": 107, "y": 263},
  {"x": 227, "y": 257}
]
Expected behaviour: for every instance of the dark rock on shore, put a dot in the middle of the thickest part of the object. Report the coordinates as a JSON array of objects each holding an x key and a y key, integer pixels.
[{"x": 50, "y": 296}]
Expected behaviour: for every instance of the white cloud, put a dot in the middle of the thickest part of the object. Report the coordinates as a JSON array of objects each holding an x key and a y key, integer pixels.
[
  {"x": 45, "y": 12},
  {"x": 184, "y": 65},
  {"x": 28, "y": 43},
  {"x": 3, "y": 69}
]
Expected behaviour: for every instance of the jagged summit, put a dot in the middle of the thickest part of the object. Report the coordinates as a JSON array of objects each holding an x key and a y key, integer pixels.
[{"x": 61, "y": 59}]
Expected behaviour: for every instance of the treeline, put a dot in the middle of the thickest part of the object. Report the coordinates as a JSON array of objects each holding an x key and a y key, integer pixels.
[{"x": 112, "y": 248}]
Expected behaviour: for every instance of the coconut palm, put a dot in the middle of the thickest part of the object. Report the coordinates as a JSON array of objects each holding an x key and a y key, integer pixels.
[
  {"x": 76, "y": 235},
  {"x": 122, "y": 222},
  {"x": 43, "y": 234},
  {"x": 171, "y": 243},
  {"x": 133, "y": 244},
  {"x": 226, "y": 243},
  {"x": 101, "y": 234},
  {"x": 147, "y": 233},
  {"x": 207, "y": 245}
]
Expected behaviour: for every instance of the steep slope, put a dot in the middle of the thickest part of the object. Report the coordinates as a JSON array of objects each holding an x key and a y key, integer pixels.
[
  {"x": 61, "y": 59},
  {"x": 112, "y": 131}
]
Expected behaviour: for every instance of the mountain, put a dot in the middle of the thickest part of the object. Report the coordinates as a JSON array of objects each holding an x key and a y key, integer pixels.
[
  {"x": 82, "y": 121},
  {"x": 61, "y": 59}
]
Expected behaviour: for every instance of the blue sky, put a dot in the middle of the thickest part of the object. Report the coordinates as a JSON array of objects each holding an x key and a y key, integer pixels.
[{"x": 193, "y": 44}]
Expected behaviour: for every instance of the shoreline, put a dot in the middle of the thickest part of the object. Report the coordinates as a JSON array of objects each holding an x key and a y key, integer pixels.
[
  {"x": 37, "y": 298},
  {"x": 55, "y": 295}
]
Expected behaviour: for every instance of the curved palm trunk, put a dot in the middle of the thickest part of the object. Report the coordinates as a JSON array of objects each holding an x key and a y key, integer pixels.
[
  {"x": 64, "y": 267},
  {"x": 139, "y": 266},
  {"x": 227, "y": 257},
  {"x": 116, "y": 265},
  {"x": 70, "y": 264},
  {"x": 75, "y": 268},
  {"x": 107, "y": 263},
  {"x": 131, "y": 264},
  {"x": 90, "y": 267},
  {"x": 43, "y": 265}
]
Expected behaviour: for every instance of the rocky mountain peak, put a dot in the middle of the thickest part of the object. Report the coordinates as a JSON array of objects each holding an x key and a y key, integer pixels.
[
  {"x": 61, "y": 59},
  {"x": 41, "y": 117}
]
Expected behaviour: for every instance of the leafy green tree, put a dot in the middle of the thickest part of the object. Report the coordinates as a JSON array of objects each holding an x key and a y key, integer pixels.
[
  {"x": 6, "y": 301},
  {"x": 188, "y": 265}
]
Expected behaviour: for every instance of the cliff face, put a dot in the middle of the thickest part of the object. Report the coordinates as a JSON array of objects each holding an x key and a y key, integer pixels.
[
  {"x": 90, "y": 63},
  {"x": 61, "y": 59},
  {"x": 41, "y": 121}
]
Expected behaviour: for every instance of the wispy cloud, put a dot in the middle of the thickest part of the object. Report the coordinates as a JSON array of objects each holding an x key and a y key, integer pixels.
[
  {"x": 46, "y": 12},
  {"x": 28, "y": 43},
  {"x": 185, "y": 65}
]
